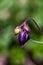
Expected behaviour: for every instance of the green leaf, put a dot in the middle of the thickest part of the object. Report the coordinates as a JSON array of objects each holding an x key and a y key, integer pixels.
[
  {"x": 6, "y": 37},
  {"x": 6, "y": 3},
  {"x": 18, "y": 55}
]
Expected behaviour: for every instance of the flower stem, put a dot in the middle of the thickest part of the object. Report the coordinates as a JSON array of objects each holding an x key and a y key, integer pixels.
[{"x": 37, "y": 42}]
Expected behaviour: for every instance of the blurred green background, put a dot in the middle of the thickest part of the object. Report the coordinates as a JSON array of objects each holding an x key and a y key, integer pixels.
[{"x": 12, "y": 14}]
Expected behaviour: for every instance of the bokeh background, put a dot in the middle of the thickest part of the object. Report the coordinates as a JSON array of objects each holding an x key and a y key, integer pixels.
[{"x": 12, "y": 14}]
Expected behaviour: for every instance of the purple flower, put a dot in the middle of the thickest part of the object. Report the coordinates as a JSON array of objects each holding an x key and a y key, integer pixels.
[
  {"x": 23, "y": 37},
  {"x": 24, "y": 33}
]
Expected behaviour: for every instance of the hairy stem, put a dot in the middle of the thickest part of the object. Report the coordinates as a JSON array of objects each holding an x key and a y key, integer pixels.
[{"x": 33, "y": 21}]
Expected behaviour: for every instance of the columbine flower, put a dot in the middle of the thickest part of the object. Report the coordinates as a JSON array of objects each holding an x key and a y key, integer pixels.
[{"x": 24, "y": 33}]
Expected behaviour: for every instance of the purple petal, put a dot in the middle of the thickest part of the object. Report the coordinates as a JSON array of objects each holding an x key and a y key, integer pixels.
[{"x": 23, "y": 37}]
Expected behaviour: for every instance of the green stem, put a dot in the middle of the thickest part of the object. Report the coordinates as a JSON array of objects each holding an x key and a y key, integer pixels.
[{"x": 35, "y": 41}]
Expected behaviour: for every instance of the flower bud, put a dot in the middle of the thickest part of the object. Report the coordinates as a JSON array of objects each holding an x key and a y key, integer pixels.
[
  {"x": 23, "y": 37},
  {"x": 24, "y": 33}
]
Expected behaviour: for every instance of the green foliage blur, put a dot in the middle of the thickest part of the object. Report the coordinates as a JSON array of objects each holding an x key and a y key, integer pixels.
[{"x": 12, "y": 14}]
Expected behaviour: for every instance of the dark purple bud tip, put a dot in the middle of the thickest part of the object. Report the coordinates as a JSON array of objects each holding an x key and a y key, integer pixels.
[{"x": 23, "y": 37}]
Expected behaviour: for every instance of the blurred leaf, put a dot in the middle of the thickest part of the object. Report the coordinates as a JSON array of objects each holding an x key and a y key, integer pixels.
[
  {"x": 5, "y": 3},
  {"x": 6, "y": 37},
  {"x": 18, "y": 55}
]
